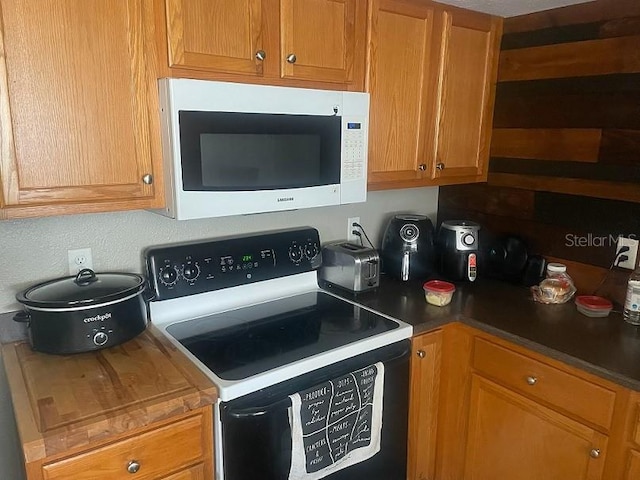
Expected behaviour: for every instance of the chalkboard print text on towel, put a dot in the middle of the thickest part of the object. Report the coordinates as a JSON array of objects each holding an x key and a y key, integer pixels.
[{"x": 337, "y": 423}]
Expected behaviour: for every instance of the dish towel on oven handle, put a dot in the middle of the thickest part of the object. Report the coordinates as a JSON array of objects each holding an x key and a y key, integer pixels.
[{"x": 337, "y": 423}]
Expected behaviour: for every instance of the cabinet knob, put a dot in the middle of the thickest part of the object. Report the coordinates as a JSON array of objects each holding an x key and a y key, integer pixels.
[
  {"x": 422, "y": 167},
  {"x": 531, "y": 380},
  {"x": 291, "y": 58},
  {"x": 133, "y": 466},
  {"x": 261, "y": 55},
  {"x": 421, "y": 353},
  {"x": 147, "y": 179},
  {"x": 440, "y": 166},
  {"x": 594, "y": 453}
]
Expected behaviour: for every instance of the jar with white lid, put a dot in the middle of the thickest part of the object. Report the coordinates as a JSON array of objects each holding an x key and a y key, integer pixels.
[{"x": 558, "y": 287}]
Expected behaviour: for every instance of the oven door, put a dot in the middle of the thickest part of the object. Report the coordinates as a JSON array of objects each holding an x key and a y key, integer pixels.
[{"x": 257, "y": 436}]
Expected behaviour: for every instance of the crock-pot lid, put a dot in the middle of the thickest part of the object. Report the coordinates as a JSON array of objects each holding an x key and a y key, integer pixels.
[{"x": 86, "y": 288}]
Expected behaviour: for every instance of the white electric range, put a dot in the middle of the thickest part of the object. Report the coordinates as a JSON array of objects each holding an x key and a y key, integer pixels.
[{"x": 247, "y": 310}]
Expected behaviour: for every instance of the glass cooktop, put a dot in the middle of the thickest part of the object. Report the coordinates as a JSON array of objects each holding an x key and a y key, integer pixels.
[{"x": 251, "y": 340}]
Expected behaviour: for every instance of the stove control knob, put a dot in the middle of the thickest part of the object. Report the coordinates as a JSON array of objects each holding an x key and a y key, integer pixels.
[
  {"x": 295, "y": 253},
  {"x": 191, "y": 271},
  {"x": 311, "y": 250},
  {"x": 168, "y": 276},
  {"x": 100, "y": 338}
]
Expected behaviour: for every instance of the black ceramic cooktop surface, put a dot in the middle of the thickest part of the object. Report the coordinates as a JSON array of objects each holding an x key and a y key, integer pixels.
[{"x": 244, "y": 342}]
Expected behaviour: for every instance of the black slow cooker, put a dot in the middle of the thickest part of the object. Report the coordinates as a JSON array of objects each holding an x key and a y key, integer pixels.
[{"x": 83, "y": 313}]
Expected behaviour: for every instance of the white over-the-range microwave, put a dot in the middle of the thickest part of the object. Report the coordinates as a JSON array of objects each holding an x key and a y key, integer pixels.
[{"x": 234, "y": 149}]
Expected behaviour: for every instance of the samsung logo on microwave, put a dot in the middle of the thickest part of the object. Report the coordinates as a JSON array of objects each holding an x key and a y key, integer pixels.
[{"x": 285, "y": 199}]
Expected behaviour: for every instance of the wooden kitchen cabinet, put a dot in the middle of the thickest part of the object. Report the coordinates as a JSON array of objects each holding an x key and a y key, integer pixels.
[
  {"x": 431, "y": 73},
  {"x": 141, "y": 405},
  {"x": 423, "y": 405},
  {"x": 511, "y": 436},
  {"x": 168, "y": 451},
  {"x": 534, "y": 420},
  {"x": 79, "y": 107},
  {"x": 626, "y": 464},
  {"x": 508, "y": 412},
  {"x": 289, "y": 42}
]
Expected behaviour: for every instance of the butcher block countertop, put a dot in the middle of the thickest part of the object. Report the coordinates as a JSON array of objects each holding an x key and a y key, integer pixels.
[{"x": 65, "y": 403}]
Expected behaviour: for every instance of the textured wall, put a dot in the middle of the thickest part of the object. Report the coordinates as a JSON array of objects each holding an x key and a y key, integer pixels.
[{"x": 34, "y": 250}]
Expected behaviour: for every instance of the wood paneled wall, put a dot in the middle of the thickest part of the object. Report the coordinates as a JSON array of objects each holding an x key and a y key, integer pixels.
[{"x": 565, "y": 153}]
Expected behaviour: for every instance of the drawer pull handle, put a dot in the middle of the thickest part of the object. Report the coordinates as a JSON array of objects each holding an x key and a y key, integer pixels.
[
  {"x": 133, "y": 466},
  {"x": 421, "y": 353},
  {"x": 594, "y": 453},
  {"x": 531, "y": 380}
]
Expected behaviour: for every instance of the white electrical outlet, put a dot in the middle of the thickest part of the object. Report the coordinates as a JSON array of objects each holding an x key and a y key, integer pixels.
[
  {"x": 350, "y": 228},
  {"x": 632, "y": 254},
  {"x": 79, "y": 259}
]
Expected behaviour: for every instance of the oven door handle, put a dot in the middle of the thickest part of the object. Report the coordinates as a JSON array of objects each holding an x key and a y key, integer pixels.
[{"x": 260, "y": 411}]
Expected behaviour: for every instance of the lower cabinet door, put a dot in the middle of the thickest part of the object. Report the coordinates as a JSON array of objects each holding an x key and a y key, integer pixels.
[
  {"x": 513, "y": 437},
  {"x": 633, "y": 466},
  {"x": 423, "y": 405}
]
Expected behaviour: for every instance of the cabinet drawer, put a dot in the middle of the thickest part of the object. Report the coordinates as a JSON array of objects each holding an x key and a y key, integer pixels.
[
  {"x": 159, "y": 452},
  {"x": 571, "y": 394}
]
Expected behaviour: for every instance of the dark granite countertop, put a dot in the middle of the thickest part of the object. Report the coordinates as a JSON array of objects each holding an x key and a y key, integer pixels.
[{"x": 608, "y": 347}]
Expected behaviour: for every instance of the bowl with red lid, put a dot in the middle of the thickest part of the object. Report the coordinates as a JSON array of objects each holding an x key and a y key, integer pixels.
[
  {"x": 593, "y": 306},
  {"x": 438, "y": 292}
]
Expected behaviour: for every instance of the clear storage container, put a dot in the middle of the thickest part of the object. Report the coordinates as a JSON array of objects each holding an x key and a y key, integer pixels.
[
  {"x": 557, "y": 287},
  {"x": 438, "y": 292}
]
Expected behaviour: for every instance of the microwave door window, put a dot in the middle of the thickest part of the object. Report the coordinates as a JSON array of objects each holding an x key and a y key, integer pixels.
[
  {"x": 260, "y": 161},
  {"x": 224, "y": 151}
]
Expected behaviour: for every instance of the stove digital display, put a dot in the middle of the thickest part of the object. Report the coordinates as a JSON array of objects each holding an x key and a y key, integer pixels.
[{"x": 247, "y": 258}]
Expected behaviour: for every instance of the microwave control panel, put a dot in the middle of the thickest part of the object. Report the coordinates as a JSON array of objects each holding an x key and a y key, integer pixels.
[
  {"x": 354, "y": 145},
  {"x": 197, "y": 267}
]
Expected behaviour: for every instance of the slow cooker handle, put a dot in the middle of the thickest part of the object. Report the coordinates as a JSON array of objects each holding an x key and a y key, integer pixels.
[
  {"x": 85, "y": 277},
  {"x": 22, "y": 317}
]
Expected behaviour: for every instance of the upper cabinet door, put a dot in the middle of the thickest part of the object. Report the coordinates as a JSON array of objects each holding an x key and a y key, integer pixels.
[
  {"x": 465, "y": 89},
  {"x": 216, "y": 35},
  {"x": 399, "y": 68},
  {"x": 78, "y": 99},
  {"x": 323, "y": 40}
]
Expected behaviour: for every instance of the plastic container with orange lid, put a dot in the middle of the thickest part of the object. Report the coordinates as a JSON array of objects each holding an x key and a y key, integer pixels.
[
  {"x": 438, "y": 292},
  {"x": 593, "y": 306}
]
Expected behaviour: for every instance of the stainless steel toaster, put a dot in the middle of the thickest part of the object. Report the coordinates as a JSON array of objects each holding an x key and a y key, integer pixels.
[{"x": 350, "y": 266}]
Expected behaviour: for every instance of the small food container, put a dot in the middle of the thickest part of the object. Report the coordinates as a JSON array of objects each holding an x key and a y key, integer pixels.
[
  {"x": 593, "y": 306},
  {"x": 438, "y": 293}
]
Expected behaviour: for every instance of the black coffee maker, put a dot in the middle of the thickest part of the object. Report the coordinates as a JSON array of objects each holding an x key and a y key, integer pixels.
[
  {"x": 457, "y": 250},
  {"x": 407, "y": 251}
]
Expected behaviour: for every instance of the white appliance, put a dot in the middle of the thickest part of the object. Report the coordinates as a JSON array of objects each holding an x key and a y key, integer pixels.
[
  {"x": 248, "y": 312},
  {"x": 233, "y": 149}
]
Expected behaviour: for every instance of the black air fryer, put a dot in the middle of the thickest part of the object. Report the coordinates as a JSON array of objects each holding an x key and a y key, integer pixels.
[
  {"x": 407, "y": 247},
  {"x": 457, "y": 246}
]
